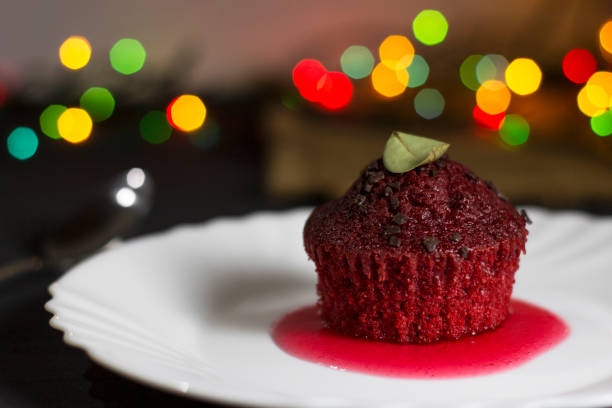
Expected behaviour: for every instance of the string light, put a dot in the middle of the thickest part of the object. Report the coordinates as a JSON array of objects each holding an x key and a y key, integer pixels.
[
  {"x": 74, "y": 125},
  {"x": 493, "y": 97},
  {"x": 22, "y": 143},
  {"x": 48, "y": 120},
  {"x": 98, "y": 102},
  {"x": 186, "y": 113},
  {"x": 306, "y": 76},
  {"x": 429, "y": 103},
  {"x": 389, "y": 82},
  {"x": 514, "y": 130},
  {"x": 418, "y": 71},
  {"x": 154, "y": 128},
  {"x": 396, "y": 52},
  {"x": 357, "y": 61},
  {"x": 74, "y": 53},
  {"x": 578, "y": 65},
  {"x": 127, "y": 56},
  {"x": 430, "y": 27},
  {"x": 523, "y": 76}
]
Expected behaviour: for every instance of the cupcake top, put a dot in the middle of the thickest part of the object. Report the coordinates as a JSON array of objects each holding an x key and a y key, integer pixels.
[{"x": 435, "y": 208}]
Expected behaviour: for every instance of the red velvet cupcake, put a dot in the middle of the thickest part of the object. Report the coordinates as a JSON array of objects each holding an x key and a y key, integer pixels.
[{"x": 419, "y": 256}]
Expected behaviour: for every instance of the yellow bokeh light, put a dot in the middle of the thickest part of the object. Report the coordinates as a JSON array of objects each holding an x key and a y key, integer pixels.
[
  {"x": 585, "y": 104},
  {"x": 493, "y": 97},
  {"x": 603, "y": 80},
  {"x": 74, "y": 125},
  {"x": 187, "y": 113},
  {"x": 389, "y": 82},
  {"x": 605, "y": 37},
  {"x": 396, "y": 52},
  {"x": 74, "y": 53},
  {"x": 523, "y": 76}
]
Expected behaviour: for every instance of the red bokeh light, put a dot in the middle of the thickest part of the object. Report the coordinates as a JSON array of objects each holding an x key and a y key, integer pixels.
[
  {"x": 336, "y": 90},
  {"x": 306, "y": 77},
  {"x": 487, "y": 121},
  {"x": 169, "y": 113},
  {"x": 579, "y": 65}
]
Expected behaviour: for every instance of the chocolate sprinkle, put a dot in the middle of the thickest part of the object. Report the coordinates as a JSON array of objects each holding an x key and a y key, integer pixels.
[
  {"x": 360, "y": 200},
  {"x": 394, "y": 185},
  {"x": 433, "y": 172},
  {"x": 373, "y": 165},
  {"x": 375, "y": 176},
  {"x": 392, "y": 230},
  {"x": 400, "y": 218},
  {"x": 525, "y": 216},
  {"x": 367, "y": 187},
  {"x": 470, "y": 176},
  {"x": 463, "y": 251},
  {"x": 492, "y": 186},
  {"x": 440, "y": 163},
  {"x": 430, "y": 243},
  {"x": 455, "y": 237},
  {"x": 388, "y": 191},
  {"x": 394, "y": 241},
  {"x": 394, "y": 202}
]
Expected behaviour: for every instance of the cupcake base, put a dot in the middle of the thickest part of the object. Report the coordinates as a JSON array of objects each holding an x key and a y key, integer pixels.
[{"x": 417, "y": 298}]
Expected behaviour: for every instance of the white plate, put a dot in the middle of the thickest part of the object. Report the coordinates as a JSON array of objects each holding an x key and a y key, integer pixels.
[{"x": 189, "y": 311}]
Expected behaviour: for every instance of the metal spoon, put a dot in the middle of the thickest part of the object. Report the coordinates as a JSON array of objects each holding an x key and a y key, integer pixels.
[{"x": 107, "y": 215}]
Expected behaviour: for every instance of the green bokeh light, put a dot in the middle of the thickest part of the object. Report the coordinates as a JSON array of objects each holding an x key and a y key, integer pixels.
[
  {"x": 48, "y": 120},
  {"x": 357, "y": 61},
  {"x": 602, "y": 124},
  {"x": 98, "y": 102},
  {"x": 22, "y": 143},
  {"x": 127, "y": 56},
  {"x": 430, "y": 27},
  {"x": 491, "y": 67},
  {"x": 514, "y": 130},
  {"x": 429, "y": 103},
  {"x": 154, "y": 127},
  {"x": 418, "y": 72},
  {"x": 207, "y": 136},
  {"x": 467, "y": 72}
]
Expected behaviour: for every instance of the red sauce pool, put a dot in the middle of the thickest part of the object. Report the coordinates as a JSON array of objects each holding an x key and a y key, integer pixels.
[{"x": 528, "y": 332}]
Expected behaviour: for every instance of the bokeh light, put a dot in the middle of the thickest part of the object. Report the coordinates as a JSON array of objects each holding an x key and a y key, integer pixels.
[
  {"x": 207, "y": 136},
  {"x": 154, "y": 127},
  {"x": 483, "y": 119},
  {"x": 98, "y": 102},
  {"x": 336, "y": 90},
  {"x": 493, "y": 97},
  {"x": 357, "y": 61},
  {"x": 418, "y": 72},
  {"x": 514, "y": 130},
  {"x": 74, "y": 125},
  {"x": 186, "y": 113},
  {"x": 605, "y": 37},
  {"x": 396, "y": 52},
  {"x": 306, "y": 76},
  {"x": 584, "y": 103},
  {"x": 467, "y": 72},
  {"x": 75, "y": 52},
  {"x": 429, "y": 103},
  {"x": 523, "y": 76},
  {"x": 127, "y": 56},
  {"x": 602, "y": 123},
  {"x": 491, "y": 67},
  {"x": 389, "y": 82},
  {"x": 602, "y": 80},
  {"x": 430, "y": 27},
  {"x": 48, "y": 120},
  {"x": 578, "y": 65},
  {"x": 22, "y": 143}
]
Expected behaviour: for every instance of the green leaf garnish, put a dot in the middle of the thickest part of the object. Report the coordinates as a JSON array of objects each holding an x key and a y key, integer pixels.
[{"x": 405, "y": 152}]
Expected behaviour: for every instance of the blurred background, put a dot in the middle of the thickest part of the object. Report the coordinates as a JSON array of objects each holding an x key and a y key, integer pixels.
[{"x": 234, "y": 107}]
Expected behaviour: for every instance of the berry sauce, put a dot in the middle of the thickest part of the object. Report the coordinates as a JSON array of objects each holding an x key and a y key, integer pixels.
[{"x": 528, "y": 332}]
